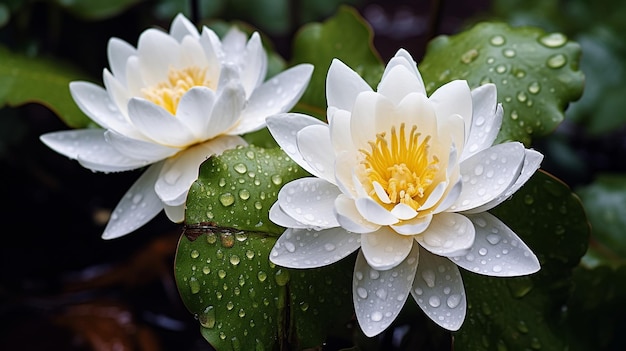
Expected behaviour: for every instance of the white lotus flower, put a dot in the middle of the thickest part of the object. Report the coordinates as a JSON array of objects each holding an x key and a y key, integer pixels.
[
  {"x": 170, "y": 103},
  {"x": 407, "y": 178}
]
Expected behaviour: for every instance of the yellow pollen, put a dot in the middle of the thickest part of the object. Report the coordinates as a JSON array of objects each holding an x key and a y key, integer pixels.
[
  {"x": 167, "y": 94},
  {"x": 401, "y": 167}
]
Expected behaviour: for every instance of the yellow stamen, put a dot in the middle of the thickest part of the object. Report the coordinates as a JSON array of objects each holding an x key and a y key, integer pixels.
[
  {"x": 401, "y": 166},
  {"x": 167, "y": 94}
]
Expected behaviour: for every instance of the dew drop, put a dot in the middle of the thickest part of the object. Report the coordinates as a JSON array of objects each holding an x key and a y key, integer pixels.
[
  {"x": 553, "y": 40},
  {"x": 242, "y": 313},
  {"x": 434, "y": 301},
  {"x": 329, "y": 247},
  {"x": 250, "y": 254},
  {"x": 206, "y": 269},
  {"x": 261, "y": 276},
  {"x": 534, "y": 88},
  {"x": 221, "y": 182},
  {"x": 469, "y": 56},
  {"x": 230, "y": 305},
  {"x": 429, "y": 278},
  {"x": 500, "y": 69},
  {"x": 258, "y": 205},
  {"x": 277, "y": 179},
  {"x": 289, "y": 246},
  {"x": 522, "y": 97},
  {"x": 361, "y": 292},
  {"x": 244, "y": 194},
  {"x": 240, "y": 168},
  {"x": 493, "y": 239},
  {"x": 556, "y": 61},
  {"x": 376, "y": 316},
  {"x": 381, "y": 293},
  {"x": 221, "y": 273},
  {"x": 207, "y": 317},
  {"x": 453, "y": 300},
  {"x": 194, "y": 285},
  {"x": 508, "y": 53},
  {"x": 528, "y": 199},
  {"x": 482, "y": 251},
  {"x": 194, "y": 254},
  {"x": 227, "y": 199},
  {"x": 234, "y": 260},
  {"x": 250, "y": 154},
  {"x": 522, "y": 327},
  {"x": 497, "y": 40}
]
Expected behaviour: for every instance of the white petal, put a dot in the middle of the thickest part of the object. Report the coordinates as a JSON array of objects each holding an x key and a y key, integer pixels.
[
  {"x": 96, "y": 103},
  {"x": 398, "y": 82},
  {"x": 384, "y": 248},
  {"x": 139, "y": 149},
  {"x": 449, "y": 234},
  {"x": 368, "y": 108},
  {"x": 138, "y": 206},
  {"x": 349, "y": 217},
  {"x": 532, "y": 161},
  {"x": 182, "y": 27},
  {"x": 195, "y": 111},
  {"x": 175, "y": 214},
  {"x": 255, "y": 66},
  {"x": 451, "y": 127},
  {"x": 402, "y": 57},
  {"x": 497, "y": 250},
  {"x": 118, "y": 52},
  {"x": 192, "y": 54},
  {"x": 414, "y": 110},
  {"x": 278, "y": 216},
  {"x": 414, "y": 226},
  {"x": 301, "y": 248},
  {"x": 345, "y": 164},
  {"x": 454, "y": 98},
  {"x": 374, "y": 212},
  {"x": 234, "y": 41},
  {"x": 403, "y": 211},
  {"x": 180, "y": 171},
  {"x": 317, "y": 150},
  {"x": 435, "y": 195},
  {"x": 343, "y": 85},
  {"x": 212, "y": 51},
  {"x": 277, "y": 95},
  {"x": 488, "y": 174},
  {"x": 157, "y": 52},
  {"x": 310, "y": 201},
  {"x": 339, "y": 124},
  {"x": 157, "y": 124},
  {"x": 284, "y": 128},
  {"x": 226, "y": 112},
  {"x": 134, "y": 80},
  {"x": 380, "y": 295},
  {"x": 90, "y": 148},
  {"x": 118, "y": 94},
  {"x": 439, "y": 292},
  {"x": 450, "y": 198},
  {"x": 486, "y": 121}
]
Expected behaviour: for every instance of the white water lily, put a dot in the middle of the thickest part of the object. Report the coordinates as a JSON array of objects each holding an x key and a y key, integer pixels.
[
  {"x": 169, "y": 104},
  {"x": 407, "y": 178}
]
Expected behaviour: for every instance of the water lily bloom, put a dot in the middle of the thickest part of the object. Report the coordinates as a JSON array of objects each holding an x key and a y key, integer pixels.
[
  {"x": 407, "y": 178},
  {"x": 169, "y": 104}
]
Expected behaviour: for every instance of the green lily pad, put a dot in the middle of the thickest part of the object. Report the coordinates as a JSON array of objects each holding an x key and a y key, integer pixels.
[
  {"x": 605, "y": 202},
  {"x": 536, "y": 73},
  {"x": 345, "y": 36},
  {"x": 237, "y": 189},
  {"x": 45, "y": 81},
  {"x": 525, "y": 313},
  {"x": 244, "y": 302}
]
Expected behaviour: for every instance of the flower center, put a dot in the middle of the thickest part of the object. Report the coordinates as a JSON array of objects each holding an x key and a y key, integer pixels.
[
  {"x": 167, "y": 94},
  {"x": 398, "y": 168}
]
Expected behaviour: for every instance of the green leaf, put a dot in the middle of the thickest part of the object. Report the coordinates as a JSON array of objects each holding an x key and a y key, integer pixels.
[
  {"x": 244, "y": 302},
  {"x": 25, "y": 79},
  {"x": 536, "y": 73},
  {"x": 96, "y": 9},
  {"x": 525, "y": 313},
  {"x": 237, "y": 188},
  {"x": 605, "y": 202},
  {"x": 346, "y": 37}
]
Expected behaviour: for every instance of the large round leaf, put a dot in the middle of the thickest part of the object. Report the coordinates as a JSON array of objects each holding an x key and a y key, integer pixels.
[{"x": 536, "y": 73}]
